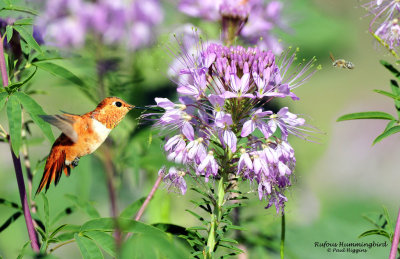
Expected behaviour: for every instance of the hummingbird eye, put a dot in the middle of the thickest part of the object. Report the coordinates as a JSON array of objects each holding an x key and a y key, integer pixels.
[{"x": 118, "y": 104}]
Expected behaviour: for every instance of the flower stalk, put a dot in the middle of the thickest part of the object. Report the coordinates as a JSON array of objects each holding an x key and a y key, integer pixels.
[
  {"x": 17, "y": 166},
  {"x": 396, "y": 237}
]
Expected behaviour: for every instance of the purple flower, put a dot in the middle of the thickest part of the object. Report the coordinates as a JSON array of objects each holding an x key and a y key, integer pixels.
[
  {"x": 175, "y": 179},
  {"x": 213, "y": 125},
  {"x": 67, "y": 23},
  {"x": 254, "y": 20}
]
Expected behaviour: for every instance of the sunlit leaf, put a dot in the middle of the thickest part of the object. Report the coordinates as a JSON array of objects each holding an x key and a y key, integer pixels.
[
  {"x": 132, "y": 209},
  {"x": 10, "y": 220},
  {"x": 89, "y": 249},
  {"x": 25, "y": 21},
  {"x": 104, "y": 240},
  {"x": 196, "y": 215},
  {"x": 28, "y": 37},
  {"x": 55, "y": 232},
  {"x": 366, "y": 115},
  {"x": 15, "y": 123},
  {"x": 34, "y": 111},
  {"x": 387, "y": 133}
]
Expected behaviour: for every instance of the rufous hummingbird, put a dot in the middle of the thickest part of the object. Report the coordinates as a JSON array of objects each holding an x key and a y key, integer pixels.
[{"x": 81, "y": 135}]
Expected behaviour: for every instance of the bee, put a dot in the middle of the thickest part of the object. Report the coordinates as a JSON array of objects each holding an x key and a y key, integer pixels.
[{"x": 341, "y": 62}]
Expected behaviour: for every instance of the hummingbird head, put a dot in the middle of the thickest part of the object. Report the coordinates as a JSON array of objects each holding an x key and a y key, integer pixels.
[{"x": 111, "y": 111}]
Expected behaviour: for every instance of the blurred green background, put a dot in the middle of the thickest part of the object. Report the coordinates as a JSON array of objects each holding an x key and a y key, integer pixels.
[{"x": 337, "y": 180}]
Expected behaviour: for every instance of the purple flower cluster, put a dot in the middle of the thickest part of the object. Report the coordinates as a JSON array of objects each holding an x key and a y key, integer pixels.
[
  {"x": 254, "y": 20},
  {"x": 219, "y": 127},
  {"x": 385, "y": 23},
  {"x": 67, "y": 22}
]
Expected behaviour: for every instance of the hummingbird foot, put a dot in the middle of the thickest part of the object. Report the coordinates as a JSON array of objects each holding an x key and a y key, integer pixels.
[{"x": 75, "y": 162}]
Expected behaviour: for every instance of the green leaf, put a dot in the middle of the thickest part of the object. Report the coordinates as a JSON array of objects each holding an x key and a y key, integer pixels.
[
  {"x": 104, "y": 240},
  {"x": 378, "y": 232},
  {"x": 393, "y": 96},
  {"x": 15, "y": 123},
  {"x": 60, "y": 71},
  {"x": 132, "y": 209},
  {"x": 391, "y": 68},
  {"x": 9, "y": 32},
  {"x": 387, "y": 133},
  {"x": 85, "y": 205},
  {"x": 34, "y": 111},
  {"x": 25, "y": 21},
  {"x": 57, "y": 230},
  {"x": 88, "y": 248},
  {"x": 235, "y": 227},
  {"x": 10, "y": 204},
  {"x": 10, "y": 220},
  {"x": 229, "y": 240},
  {"x": 366, "y": 115},
  {"x": 27, "y": 36},
  {"x": 46, "y": 211},
  {"x": 196, "y": 215},
  {"x": 19, "y": 9},
  {"x": 3, "y": 99},
  {"x": 13, "y": 87}
]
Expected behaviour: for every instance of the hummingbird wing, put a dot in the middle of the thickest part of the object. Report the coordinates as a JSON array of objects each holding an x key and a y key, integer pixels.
[{"x": 64, "y": 123}]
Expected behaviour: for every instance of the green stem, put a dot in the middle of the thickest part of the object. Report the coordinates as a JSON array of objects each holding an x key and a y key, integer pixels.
[
  {"x": 215, "y": 220},
  {"x": 283, "y": 236}
]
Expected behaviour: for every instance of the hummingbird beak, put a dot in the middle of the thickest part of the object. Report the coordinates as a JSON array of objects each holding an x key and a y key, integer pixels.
[
  {"x": 141, "y": 108},
  {"x": 130, "y": 107}
]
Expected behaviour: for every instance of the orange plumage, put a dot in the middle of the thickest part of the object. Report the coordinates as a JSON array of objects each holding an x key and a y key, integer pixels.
[{"x": 81, "y": 135}]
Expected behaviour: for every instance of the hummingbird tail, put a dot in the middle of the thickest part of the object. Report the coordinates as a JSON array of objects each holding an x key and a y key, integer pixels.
[{"x": 53, "y": 169}]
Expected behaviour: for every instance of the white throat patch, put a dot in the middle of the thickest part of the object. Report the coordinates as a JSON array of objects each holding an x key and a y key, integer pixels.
[{"x": 101, "y": 130}]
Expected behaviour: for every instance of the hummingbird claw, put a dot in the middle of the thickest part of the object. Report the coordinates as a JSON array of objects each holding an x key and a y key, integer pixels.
[{"x": 75, "y": 162}]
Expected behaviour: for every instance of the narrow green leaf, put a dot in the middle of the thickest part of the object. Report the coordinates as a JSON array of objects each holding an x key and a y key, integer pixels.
[
  {"x": 229, "y": 240},
  {"x": 366, "y": 115},
  {"x": 25, "y": 21},
  {"x": 10, "y": 220},
  {"x": 132, "y": 209},
  {"x": 197, "y": 228},
  {"x": 10, "y": 204},
  {"x": 34, "y": 110},
  {"x": 27, "y": 36},
  {"x": 378, "y": 232},
  {"x": 390, "y": 125},
  {"x": 60, "y": 71},
  {"x": 19, "y": 9},
  {"x": 57, "y": 230},
  {"x": 15, "y": 123},
  {"x": 232, "y": 247},
  {"x": 391, "y": 68},
  {"x": 3, "y": 99},
  {"x": 393, "y": 96},
  {"x": 46, "y": 211},
  {"x": 235, "y": 227},
  {"x": 88, "y": 248},
  {"x": 387, "y": 133},
  {"x": 196, "y": 215},
  {"x": 104, "y": 240},
  {"x": 13, "y": 87},
  {"x": 9, "y": 32}
]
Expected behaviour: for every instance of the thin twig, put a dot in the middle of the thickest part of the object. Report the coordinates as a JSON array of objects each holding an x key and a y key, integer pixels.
[
  {"x": 149, "y": 197},
  {"x": 110, "y": 172},
  {"x": 17, "y": 166},
  {"x": 396, "y": 236},
  {"x": 62, "y": 244}
]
